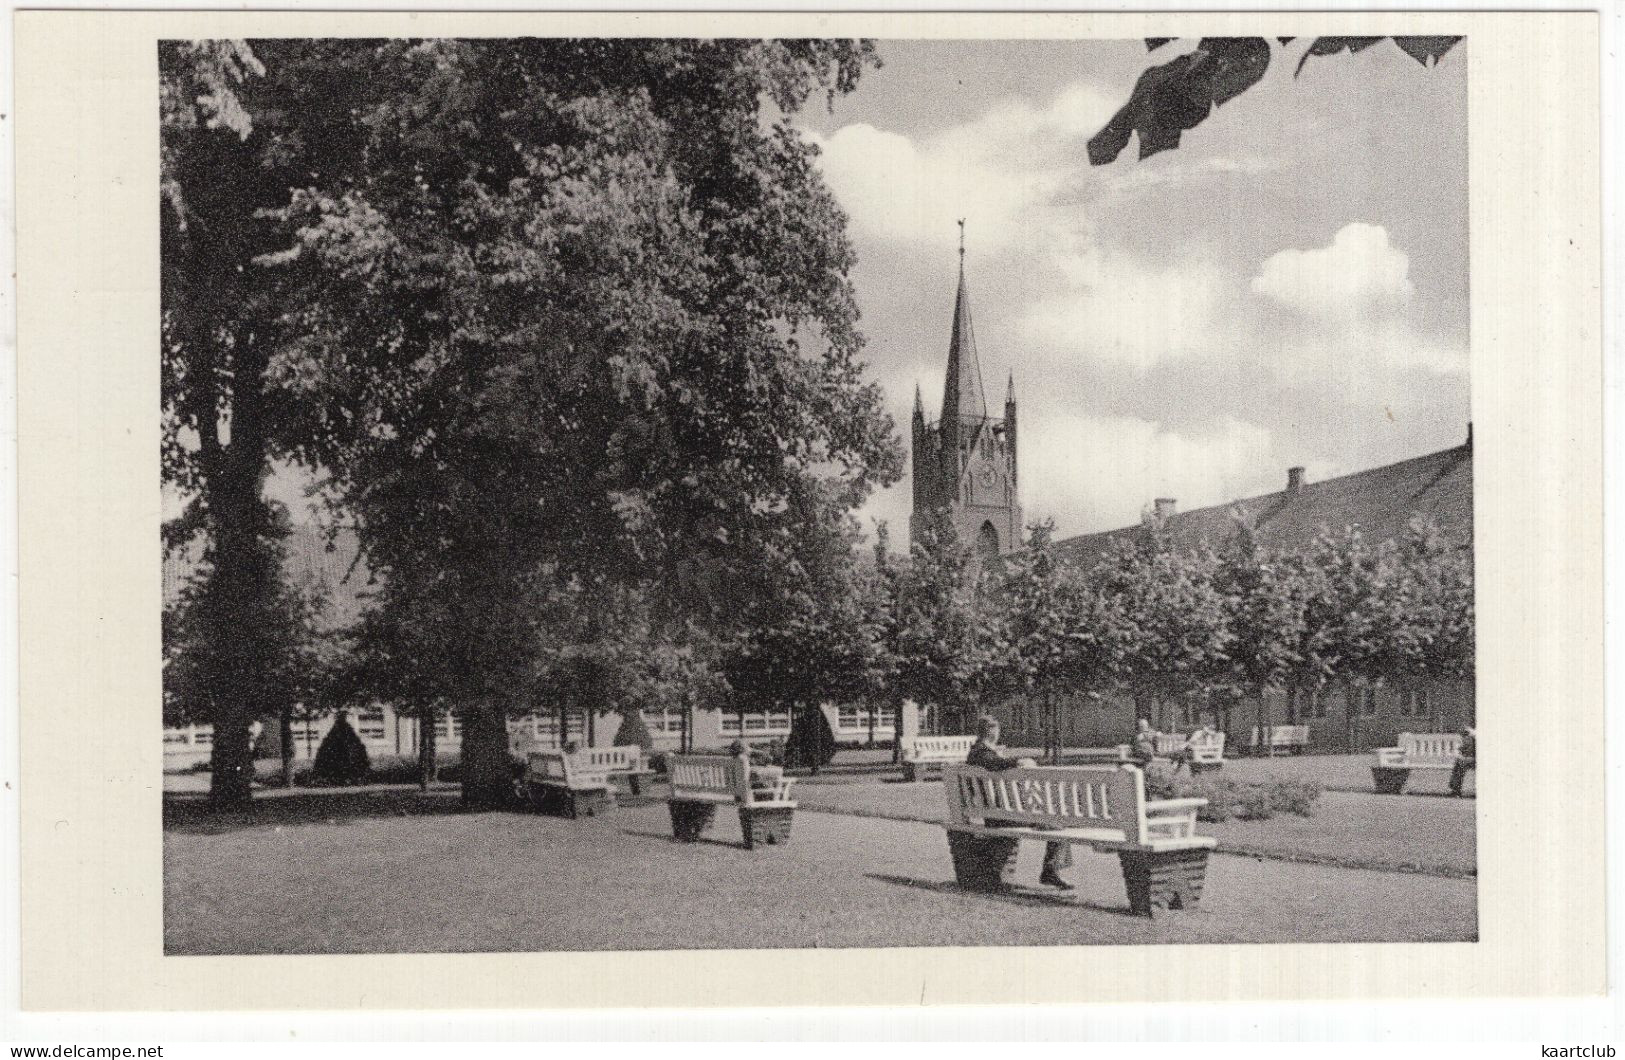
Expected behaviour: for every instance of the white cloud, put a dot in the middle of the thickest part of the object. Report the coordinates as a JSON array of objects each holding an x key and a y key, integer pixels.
[
  {"x": 1098, "y": 472},
  {"x": 1360, "y": 274},
  {"x": 1001, "y": 171},
  {"x": 1121, "y": 311}
]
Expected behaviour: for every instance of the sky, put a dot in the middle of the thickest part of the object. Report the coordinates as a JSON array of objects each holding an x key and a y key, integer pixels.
[{"x": 1288, "y": 287}]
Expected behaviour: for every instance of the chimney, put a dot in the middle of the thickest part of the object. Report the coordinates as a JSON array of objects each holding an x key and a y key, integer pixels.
[
  {"x": 1165, "y": 507},
  {"x": 1294, "y": 480},
  {"x": 1469, "y": 434}
]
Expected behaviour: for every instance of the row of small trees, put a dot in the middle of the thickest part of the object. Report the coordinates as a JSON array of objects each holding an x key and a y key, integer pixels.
[{"x": 1146, "y": 619}]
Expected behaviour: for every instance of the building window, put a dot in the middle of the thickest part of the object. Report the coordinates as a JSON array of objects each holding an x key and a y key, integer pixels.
[
  {"x": 1413, "y": 703},
  {"x": 1365, "y": 699},
  {"x": 449, "y": 726},
  {"x": 756, "y": 723},
  {"x": 1311, "y": 704},
  {"x": 856, "y": 718},
  {"x": 664, "y": 720},
  {"x": 370, "y": 724},
  {"x": 200, "y": 738}
]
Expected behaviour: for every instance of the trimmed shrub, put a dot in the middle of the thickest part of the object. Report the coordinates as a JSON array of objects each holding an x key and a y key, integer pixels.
[
  {"x": 1227, "y": 799},
  {"x": 634, "y": 731}
]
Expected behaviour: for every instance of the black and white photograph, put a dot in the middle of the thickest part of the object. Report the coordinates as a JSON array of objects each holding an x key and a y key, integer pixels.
[{"x": 711, "y": 493}]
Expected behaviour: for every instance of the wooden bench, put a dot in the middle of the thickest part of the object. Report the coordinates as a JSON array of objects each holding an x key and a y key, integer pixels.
[
  {"x": 1200, "y": 755},
  {"x": 1416, "y": 750},
  {"x": 1164, "y": 861},
  {"x": 1292, "y": 738},
  {"x": 701, "y": 783},
  {"x": 630, "y": 762},
  {"x": 925, "y": 752},
  {"x": 560, "y": 783}
]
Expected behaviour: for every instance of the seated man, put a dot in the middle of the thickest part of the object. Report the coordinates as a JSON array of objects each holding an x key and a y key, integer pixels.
[
  {"x": 1145, "y": 742},
  {"x": 1467, "y": 758},
  {"x": 985, "y": 754},
  {"x": 1203, "y": 733}
]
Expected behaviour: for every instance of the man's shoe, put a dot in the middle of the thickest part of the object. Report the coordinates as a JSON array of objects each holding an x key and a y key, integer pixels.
[{"x": 1050, "y": 879}]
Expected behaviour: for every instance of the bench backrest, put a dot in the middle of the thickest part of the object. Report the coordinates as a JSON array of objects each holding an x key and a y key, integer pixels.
[
  {"x": 613, "y": 759},
  {"x": 1284, "y": 735},
  {"x": 1430, "y": 747},
  {"x": 709, "y": 775},
  {"x": 1171, "y": 743},
  {"x": 1101, "y": 802},
  {"x": 553, "y": 766},
  {"x": 939, "y": 748}
]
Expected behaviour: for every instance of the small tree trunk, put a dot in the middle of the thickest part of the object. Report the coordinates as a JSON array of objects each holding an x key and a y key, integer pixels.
[
  {"x": 897, "y": 735},
  {"x": 427, "y": 737},
  {"x": 284, "y": 739},
  {"x": 813, "y": 743},
  {"x": 487, "y": 765}
]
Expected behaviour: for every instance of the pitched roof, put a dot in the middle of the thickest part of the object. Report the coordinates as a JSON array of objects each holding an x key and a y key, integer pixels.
[
  {"x": 330, "y": 571},
  {"x": 1380, "y": 503},
  {"x": 962, "y": 393}
]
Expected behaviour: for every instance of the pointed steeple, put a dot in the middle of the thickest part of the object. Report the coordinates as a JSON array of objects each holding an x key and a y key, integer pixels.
[
  {"x": 1009, "y": 390},
  {"x": 962, "y": 393}
]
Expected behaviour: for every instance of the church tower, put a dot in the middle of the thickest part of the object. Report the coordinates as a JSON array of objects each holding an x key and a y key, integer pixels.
[{"x": 965, "y": 462}]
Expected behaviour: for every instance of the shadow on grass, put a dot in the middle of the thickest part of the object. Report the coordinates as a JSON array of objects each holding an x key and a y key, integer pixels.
[
  {"x": 704, "y": 840},
  {"x": 192, "y": 814},
  {"x": 1018, "y": 895}
]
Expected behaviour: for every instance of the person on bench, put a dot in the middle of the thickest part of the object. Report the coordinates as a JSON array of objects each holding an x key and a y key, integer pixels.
[
  {"x": 1145, "y": 742},
  {"x": 1466, "y": 759},
  {"x": 761, "y": 777},
  {"x": 1203, "y": 733},
  {"x": 985, "y": 754}
]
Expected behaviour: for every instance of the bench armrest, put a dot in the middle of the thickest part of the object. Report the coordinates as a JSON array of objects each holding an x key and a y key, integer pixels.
[
  {"x": 1172, "y": 818},
  {"x": 778, "y": 792}
]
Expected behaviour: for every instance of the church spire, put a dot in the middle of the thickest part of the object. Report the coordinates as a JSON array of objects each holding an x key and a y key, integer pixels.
[{"x": 962, "y": 393}]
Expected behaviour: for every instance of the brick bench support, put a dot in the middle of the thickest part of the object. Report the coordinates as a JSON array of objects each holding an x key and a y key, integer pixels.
[
  {"x": 1158, "y": 882},
  {"x": 981, "y": 862},
  {"x": 1389, "y": 780},
  {"x": 765, "y": 826},
  {"x": 690, "y": 820}
]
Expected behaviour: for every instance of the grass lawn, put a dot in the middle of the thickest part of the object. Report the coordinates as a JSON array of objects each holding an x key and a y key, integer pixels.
[{"x": 394, "y": 871}]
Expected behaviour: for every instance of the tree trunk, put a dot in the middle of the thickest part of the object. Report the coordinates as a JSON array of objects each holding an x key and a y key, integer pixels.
[
  {"x": 231, "y": 761},
  {"x": 427, "y": 751},
  {"x": 897, "y": 734},
  {"x": 487, "y": 765},
  {"x": 812, "y": 728},
  {"x": 285, "y": 744}
]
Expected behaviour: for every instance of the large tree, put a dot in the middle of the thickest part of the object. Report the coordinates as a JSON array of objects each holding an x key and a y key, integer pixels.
[
  {"x": 573, "y": 310},
  {"x": 225, "y": 421}
]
